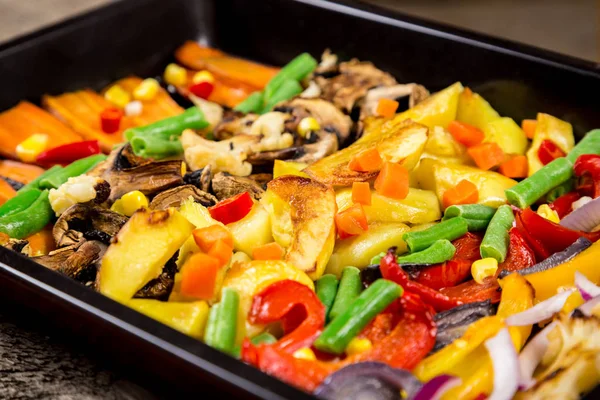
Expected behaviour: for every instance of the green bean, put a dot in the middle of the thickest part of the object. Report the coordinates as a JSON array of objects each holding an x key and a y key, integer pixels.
[
  {"x": 76, "y": 168},
  {"x": 252, "y": 103},
  {"x": 263, "y": 338},
  {"x": 440, "y": 251},
  {"x": 590, "y": 144},
  {"x": 529, "y": 190},
  {"x": 326, "y": 288},
  {"x": 560, "y": 190},
  {"x": 20, "y": 202},
  {"x": 470, "y": 211},
  {"x": 450, "y": 229},
  {"x": 286, "y": 91},
  {"x": 29, "y": 221},
  {"x": 349, "y": 288},
  {"x": 377, "y": 259},
  {"x": 222, "y": 322},
  {"x": 364, "y": 308},
  {"x": 296, "y": 70},
  {"x": 495, "y": 241},
  {"x": 171, "y": 128},
  {"x": 155, "y": 147},
  {"x": 477, "y": 225},
  {"x": 35, "y": 184}
]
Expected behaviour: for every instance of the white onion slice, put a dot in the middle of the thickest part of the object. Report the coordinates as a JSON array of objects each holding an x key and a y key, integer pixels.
[
  {"x": 586, "y": 287},
  {"x": 585, "y": 218},
  {"x": 532, "y": 355},
  {"x": 540, "y": 311},
  {"x": 587, "y": 307},
  {"x": 506, "y": 365},
  {"x": 436, "y": 387}
]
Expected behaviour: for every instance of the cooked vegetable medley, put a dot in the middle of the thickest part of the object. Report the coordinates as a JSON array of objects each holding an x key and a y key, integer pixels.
[{"x": 348, "y": 234}]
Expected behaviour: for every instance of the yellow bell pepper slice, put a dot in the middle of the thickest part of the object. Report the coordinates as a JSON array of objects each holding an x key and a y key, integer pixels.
[{"x": 188, "y": 318}]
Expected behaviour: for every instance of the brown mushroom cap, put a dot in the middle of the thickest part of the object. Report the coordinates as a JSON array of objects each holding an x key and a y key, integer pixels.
[
  {"x": 225, "y": 186},
  {"x": 174, "y": 197},
  {"x": 86, "y": 219}
]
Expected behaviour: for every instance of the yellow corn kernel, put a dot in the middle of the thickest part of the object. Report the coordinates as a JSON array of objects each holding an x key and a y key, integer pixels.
[
  {"x": 483, "y": 268},
  {"x": 175, "y": 75},
  {"x": 130, "y": 203},
  {"x": 30, "y": 148},
  {"x": 203, "y": 76},
  {"x": 545, "y": 211},
  {"x": 358, "y": 345},
  {"x": 305, "y": 353},
  {"x": 307, "y": 125},
  {"x": 118, "y": 96},
  {"x": 146, "y": 90}
]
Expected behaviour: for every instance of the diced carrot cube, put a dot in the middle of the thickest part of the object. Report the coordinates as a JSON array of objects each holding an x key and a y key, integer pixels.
[
  {"x": 269, "y": 251},
  {"x": 366, "y": 160},
  {"x": 392, "y": 181},
  {"x": 465, "y": 192},
  {"x": 361, "y": 193},
  {"x": 486, "y": 155}
]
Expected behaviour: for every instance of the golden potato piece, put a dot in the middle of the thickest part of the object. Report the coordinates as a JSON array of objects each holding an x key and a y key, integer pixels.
[
  {"x": 188, "y": 318},
  {"x": 302, "y": 219},
  {"x": 399, "y": 141}
]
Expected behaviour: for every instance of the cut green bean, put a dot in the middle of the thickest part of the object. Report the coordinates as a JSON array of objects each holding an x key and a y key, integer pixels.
[
  {"x": 326, "y": 288},
  {"x": 477, "y": 225},
  {"x": 440, "y": 251},
  {"x": 450, "y": 229},
  {"x": 286, "y": 91},
  {"x": 76, "y": 168},
  {"x": 529, "y": 190},
  {"x": 172, "y": 127},
  {"x": 349, "y": 288},
  {"x": 590, "y": 144},
  {"x": 20, "y": 202},
  {"x": 252, "y": 103},
  {"x": 296, "y": 70},
  {"x": 155, "y": 147},
  {"x": 377, "y": 259},
  {"x": 221, "y": 327},
  {"x": 35, "y": 184},
  {"x": 263, "y": 338},
  {"x": 495, "y": 241},
  {"x": 470, "y": 211},
  {"x": 560, "y": 190},
  {"x": 360, "y": 312}
]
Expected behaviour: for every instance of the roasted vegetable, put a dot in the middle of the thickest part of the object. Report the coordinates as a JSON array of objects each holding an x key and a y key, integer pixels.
[
  {"x": 252, "y": 231},
  {"x": 188, "y": 318},
  {"x": 549, "y": 128}
]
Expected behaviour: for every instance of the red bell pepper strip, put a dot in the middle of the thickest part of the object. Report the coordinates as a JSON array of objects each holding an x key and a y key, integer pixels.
[
  {"x": 202, "y": 89},
  {"x": 455, "y": 271},
  {"x": 471, "y": 291},
  {"x": 110, "y": 120},
  {"x": 587, "y": 168},
  {"x": 519, "y": 256},
  {"x": 232, "y": 209},
  {"x": 300, "y": 311},
  {"x": 392, "y": 271},
  {"x": 549, "y": 151},
  {"x": 540, "y": 252},
  {"x": 68, "y": 153},
  {"x": 564, "y": 204},
  {"x": 553, "y": 237}
]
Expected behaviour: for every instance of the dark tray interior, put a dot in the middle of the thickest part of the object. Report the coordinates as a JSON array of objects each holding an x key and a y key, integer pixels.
[{"x": 139, "y": 37}]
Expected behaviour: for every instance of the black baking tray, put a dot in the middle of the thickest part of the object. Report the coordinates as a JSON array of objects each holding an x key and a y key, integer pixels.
[{"x": 140, "y": 36}]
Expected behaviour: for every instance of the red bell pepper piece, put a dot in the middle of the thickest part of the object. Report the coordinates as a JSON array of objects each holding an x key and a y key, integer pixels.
[
  {"x": 453, "y": 272},
  {"x": 232, "y": 209},
  {"x": 202, "y": 89},
  {"x": 471, "y": 291},
  {"x": 110, "y": 120},
  {"x": 539, "y": 250},
  {"x": 549, "y": 151},
  {"x": 553, "y": 237},
  {"x": 519, "y": 256},
  {"x": 564, "y": 204},
  {"x": 68, "y": 153},
  {"x": 300, "y": 311},
  {"x": 392, "y": 271},
  {"x": 587, "y": 168}
]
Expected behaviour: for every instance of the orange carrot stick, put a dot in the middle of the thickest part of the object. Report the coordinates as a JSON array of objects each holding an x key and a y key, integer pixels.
[
  {"x": 18, "y": 171},
  {"x": 6, "y": 191}
]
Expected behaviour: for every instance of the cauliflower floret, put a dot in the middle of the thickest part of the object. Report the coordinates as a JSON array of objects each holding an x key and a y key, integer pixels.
[
  {"x": 79, "y": 189},
  {"x": 226, "y": 156},
  {"x": 270, "y": 128}
]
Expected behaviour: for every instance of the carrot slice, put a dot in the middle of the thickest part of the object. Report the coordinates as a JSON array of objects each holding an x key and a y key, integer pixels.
[
  {"x": 269, "y": 251},
  {"x": 199, "y": 276},
  {"x": 387, "y": 108},
  {"x": 207, "y": 237},
  {"x": 222, "y": 251},
  {"x": 6, "y": 191},
  {"x": 516, "y": 167},
  {"x": 361, "y": 193},
  {"x": 366, "y": 161},
  {"x": 465, "y": 192},
  {"x": 465, "y": 133},
  {"x": 227, "y": 92},
  {"x": 528, "y": 126},
  {"x": 486, "y": 155},
  {"x": 392, "y": 181},
  {"x": 18, "y": 171},
  {"x": 42, "y": 242},
  {"x": 352, "y": 221}
]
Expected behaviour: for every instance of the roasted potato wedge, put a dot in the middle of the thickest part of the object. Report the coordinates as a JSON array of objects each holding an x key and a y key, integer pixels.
[
  {"x": 302, "y": 219},
  {"x": 252, "y": 231},
  {"x": 475, "y": 110},
  {"x": 419, "y": 207},
  {"x": 198, "y": 215},
  {"x": 357, "y": 251},
  {"x": 438, "y": 109},
  {"x": 188, "y": 318},
  {"x": 140, "y": 250},
  {"x": 551, "y": 128},
  {"x": 397, "y": 141}
]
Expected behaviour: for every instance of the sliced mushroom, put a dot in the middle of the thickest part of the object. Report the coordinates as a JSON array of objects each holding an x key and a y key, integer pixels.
[
  {"x": 55, "y": 259},
  {"x": 327, "y": 143},
  {"x": 161, "y": 287},
  {"x": 353, "y": 82},
  {"x": 416, "y": 93},
  {"x": 78, "y": 261},
  {"x": 200, "y": 178},
  {"x": 174, "y": 197},
  {"x": 225, "y": 186},
  {"x": 213, "y": 112},
  {"x": 86, "y": 221},
  {"x": 267, "y": 158},
  {"x": 18, "y": 245},
  {"x": 234, "y": 123}
]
